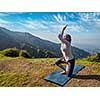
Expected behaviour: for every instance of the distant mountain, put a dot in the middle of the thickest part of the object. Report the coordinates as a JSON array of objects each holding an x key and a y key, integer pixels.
[
  {"x": 35, "y": 46},
  {"x": 93, "y": 51}
]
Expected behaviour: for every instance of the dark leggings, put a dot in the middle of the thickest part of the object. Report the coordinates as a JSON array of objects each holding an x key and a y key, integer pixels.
[{"x": 71, "y": 67}]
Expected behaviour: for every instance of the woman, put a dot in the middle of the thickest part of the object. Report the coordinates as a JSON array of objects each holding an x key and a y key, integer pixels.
[{"x": 67, "y": 53}]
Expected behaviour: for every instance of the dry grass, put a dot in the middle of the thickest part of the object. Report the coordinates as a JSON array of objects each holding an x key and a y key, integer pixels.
[
  {"x": 88, "y": 77},
  {"x": 23, "y": 72}
]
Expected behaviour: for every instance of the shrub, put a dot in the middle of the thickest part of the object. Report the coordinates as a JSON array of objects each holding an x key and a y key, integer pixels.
[
  {"x": 94, "y": 58},
  {"x": 0, "y": 52},
  {"x": 25, "y": 54},
  {"x": 11, "y": 52}
]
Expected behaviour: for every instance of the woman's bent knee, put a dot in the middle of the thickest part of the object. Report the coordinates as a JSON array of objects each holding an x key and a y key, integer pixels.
[{"x": 58, "y": 62}]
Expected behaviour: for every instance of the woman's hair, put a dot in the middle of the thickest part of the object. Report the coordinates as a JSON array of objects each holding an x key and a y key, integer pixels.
[{"x": 69, "y": 37}]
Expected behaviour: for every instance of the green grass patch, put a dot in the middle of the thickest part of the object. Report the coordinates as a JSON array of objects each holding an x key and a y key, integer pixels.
[
  {"x": 24, "y": 72},
  {"x": 14, "y": 52}
]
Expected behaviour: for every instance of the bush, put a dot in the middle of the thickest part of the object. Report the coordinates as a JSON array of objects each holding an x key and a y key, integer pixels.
[
  {"x": 25, "y": 54},
  {"x": 11, "y": 52},
  {"x": 94, "y": 58}
]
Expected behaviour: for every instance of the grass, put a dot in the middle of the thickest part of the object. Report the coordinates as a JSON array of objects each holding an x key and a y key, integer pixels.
[
  {"x": 25, "y": 72},
  {"x": 22, "y": 72}
]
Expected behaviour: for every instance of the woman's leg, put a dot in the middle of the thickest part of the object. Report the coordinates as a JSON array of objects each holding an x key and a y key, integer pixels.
[
  {"x": 71, "y": 64},
  {"x": 59, "y": 62}
]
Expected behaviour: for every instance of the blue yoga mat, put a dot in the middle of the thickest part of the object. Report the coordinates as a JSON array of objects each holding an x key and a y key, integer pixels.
[{"x": 62, "y": 79}]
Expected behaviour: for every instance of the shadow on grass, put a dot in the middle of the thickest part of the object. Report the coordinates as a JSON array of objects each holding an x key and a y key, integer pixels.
[{"x": 85, "y": 77}]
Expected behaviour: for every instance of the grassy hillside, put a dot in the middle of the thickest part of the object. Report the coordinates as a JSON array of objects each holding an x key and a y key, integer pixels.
[{"x": 23, "y": 72}]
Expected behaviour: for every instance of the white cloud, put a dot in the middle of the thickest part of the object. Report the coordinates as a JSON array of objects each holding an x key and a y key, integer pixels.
[
  {"x": 56, "y": 18},
  {"x": 90, "y": 22},
  {"x": 85, "y": 17},
  {"x": 98, "y": 22},
  {"x": 59, "y": 18},
  {"x": 4, "y": 22},
  {"x": 75, "y": 28},
  {"x": 3, "y": 14},
  {"x": 89, "y": 17},
  {"x": 51, "y": 27},
  {"x": 65, "y": 18},
  {"x": 34, "y": 24}
]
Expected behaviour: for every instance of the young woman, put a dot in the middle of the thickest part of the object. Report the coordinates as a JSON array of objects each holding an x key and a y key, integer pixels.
[{"x": 67, "y": 53}]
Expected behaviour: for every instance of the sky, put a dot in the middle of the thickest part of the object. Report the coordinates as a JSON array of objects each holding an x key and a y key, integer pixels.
[{"x": 84, "y": 27}]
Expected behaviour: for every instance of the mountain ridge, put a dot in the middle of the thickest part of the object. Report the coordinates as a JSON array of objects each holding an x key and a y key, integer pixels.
[{"x": 36, "y": 46}]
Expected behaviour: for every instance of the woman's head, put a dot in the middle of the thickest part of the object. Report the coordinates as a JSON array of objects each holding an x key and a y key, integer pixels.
[{"x": 67, "y": 37}]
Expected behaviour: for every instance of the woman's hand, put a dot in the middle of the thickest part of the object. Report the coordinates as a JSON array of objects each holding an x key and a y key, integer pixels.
[
  {"x": 64, "y": 28},
  {"x": 60, "y": 36}
]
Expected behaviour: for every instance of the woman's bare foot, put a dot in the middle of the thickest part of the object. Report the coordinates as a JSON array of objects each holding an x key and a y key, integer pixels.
[{"x": 63, "y": 72}]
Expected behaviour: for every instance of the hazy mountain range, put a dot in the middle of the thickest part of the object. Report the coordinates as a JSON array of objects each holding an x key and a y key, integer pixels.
[{"x": 35, "y": 46}]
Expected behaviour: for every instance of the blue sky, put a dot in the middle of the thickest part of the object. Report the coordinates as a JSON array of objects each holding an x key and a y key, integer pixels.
[{"x": 84, "y": 27}]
